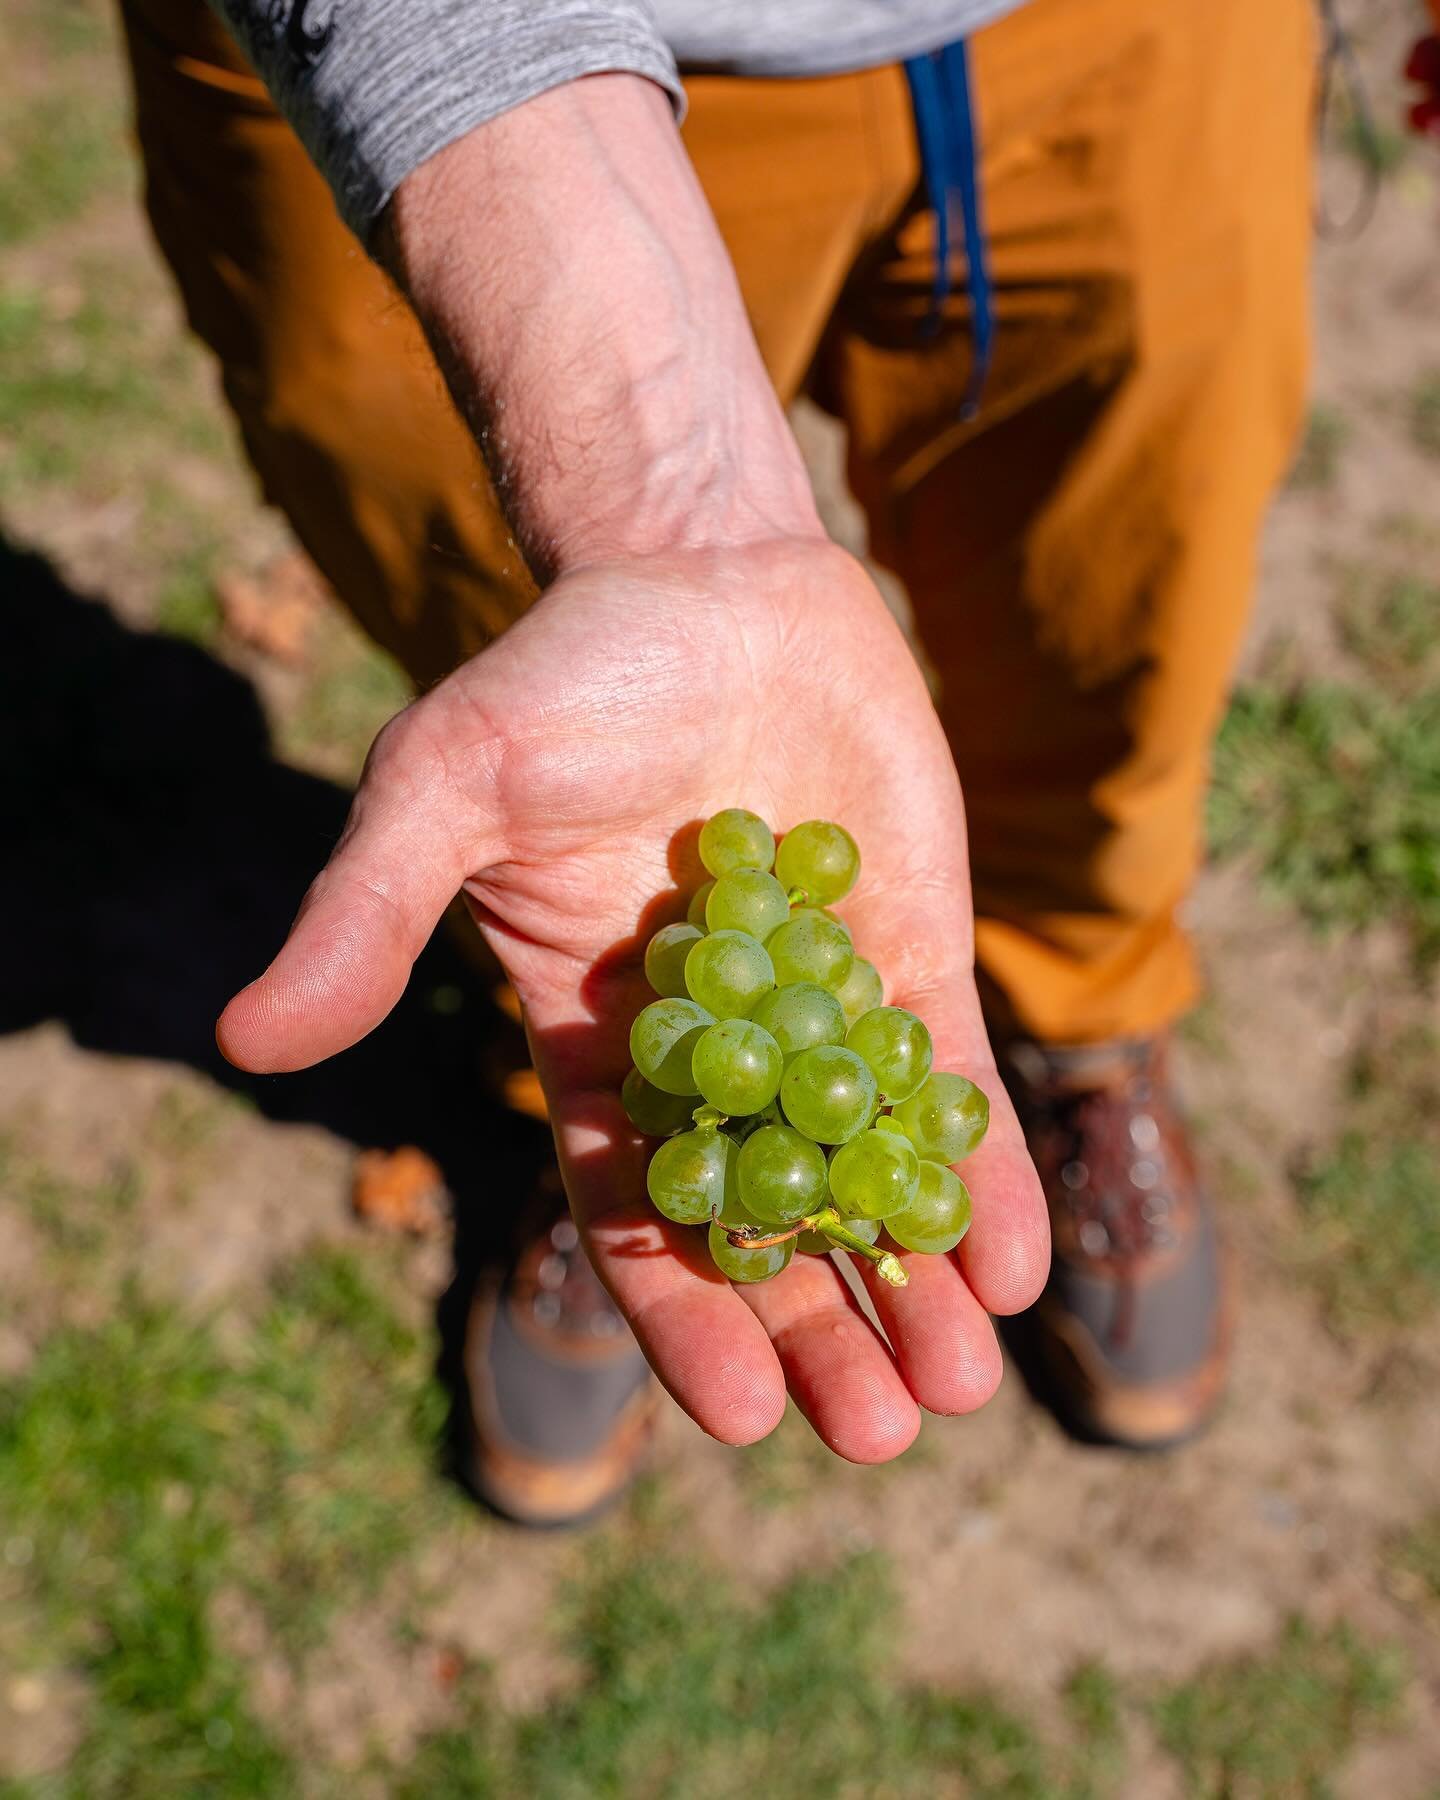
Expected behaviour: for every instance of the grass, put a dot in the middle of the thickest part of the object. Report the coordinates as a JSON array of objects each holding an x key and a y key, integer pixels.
[
  {"x": 153, "y": 1463},
  {"x": 155, "y": 1467},
  {"x": 61, "y": 32},
  {"x": 109, "y": 1452},
  {"x": 1279, "y": 1725},
  {"x": 1370, "y": 1202},
  {"x": 1415, "y": 1560},
  {"x": 1317, "y": 462},
  {"x": 1387, "y": 620},
  {"x": 1425, "y": 413},
  {"x": 58, "y": 152},
  {"x": 76, "y": 1220},
  {"x": 1371, "y": 1214},
  {"x": 1377, "y": 147},
  {"x": 186, "y": 605},
  {"x": 354, "y": 688},
  {"x": 692, "y": 1685},
  {"x": 62, "y": 146},
  {"x": 88, "y": 393},
  {"x": 1334, "y": 790}
]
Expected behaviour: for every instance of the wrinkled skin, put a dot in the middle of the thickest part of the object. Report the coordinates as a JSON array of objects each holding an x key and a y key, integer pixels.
[{"x": 549, "y": 777}]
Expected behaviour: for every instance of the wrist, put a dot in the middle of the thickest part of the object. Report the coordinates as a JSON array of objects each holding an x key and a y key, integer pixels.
[{"x": 683, "y": 475}]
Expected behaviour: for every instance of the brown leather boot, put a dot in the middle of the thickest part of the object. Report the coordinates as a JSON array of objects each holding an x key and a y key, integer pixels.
[
  {"x": 562, "y": 1403},
  {"x": 1129, "y": 1342}
]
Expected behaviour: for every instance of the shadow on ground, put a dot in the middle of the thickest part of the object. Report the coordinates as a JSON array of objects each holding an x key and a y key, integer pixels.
[{"x": 156, "y": 851}]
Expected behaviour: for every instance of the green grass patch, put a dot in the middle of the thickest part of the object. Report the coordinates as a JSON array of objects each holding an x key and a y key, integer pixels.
[
  {"x": 336, "y": 1387},
  {"x": 87, "y": 387},
  {"x": 694, "y": 1686},
  {"x": 187, "y": 607},
  {"x": 1371, "y": 1217},
  {"x": 1415, "y": 1560},
  {"x": 1278, "y": 1725},
  {"x": 1377, "y": 147},
  {"x": 1425, "y": 413},
  {"x": 1370, "y": 1201},
  {"x": 355, "y": 689},
  {"x": 60, "y": 31},
  {"x": 109, "y": 1452},
  {"x": 1317, "y": 462},
  {"x": 1390, "y": 621},
  {"x": 59, "y": 152},
  {"x": 63, "y": 145},
  {"x": 187, "y": 1118},
  {"x": 1335, "y": 791},
  {"x": 152, "y": 1463},
  {"x": 77, "y": 1220}
]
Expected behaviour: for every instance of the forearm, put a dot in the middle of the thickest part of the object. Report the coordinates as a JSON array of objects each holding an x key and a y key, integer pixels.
[{"x": 566, "y": 266}]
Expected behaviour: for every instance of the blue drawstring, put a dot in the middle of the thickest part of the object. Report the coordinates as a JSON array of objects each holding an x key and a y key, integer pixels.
[{"x": 945, "y": 127}]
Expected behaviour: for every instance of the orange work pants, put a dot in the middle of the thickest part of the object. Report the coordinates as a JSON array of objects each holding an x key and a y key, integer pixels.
[{"x": 1079, "y": 557}]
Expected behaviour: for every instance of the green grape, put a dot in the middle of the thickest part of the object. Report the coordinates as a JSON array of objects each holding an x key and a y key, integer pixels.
[
  {"x": 861, "y": 989},
  {"x": 699, "y": 900},
  {"x": 811, "y": 949},
  {"x": 897, "y": 1047},
  {"x": 737, "y": 1066},
  {"x": 781, "y": 1175},
  {"x": 747, "y": 900},
  {"x": 688, "y": 1175},
  {"x": 665, "y": 959},
  {"x": 874, "y": 1175},
  {"x": 946, "y": 1118},
  {"x": 884, "y": 1122},
  {"x": 819, "y": 857},
  {"x": 939, "y": 1215},
  {"x": 815, "y": 1243},
  {"x": 663, "y": 1040},
  {"x": 652, "y": 1110},
  {"x": 828, "y": 1093},
  {"x": 736, "y": 839},
  {"x": 822, "y": 912},
  {"x": 800, "y": 1016},
  {"x": 741, "y": 1264},
  {"x": 729, "y": 973}
]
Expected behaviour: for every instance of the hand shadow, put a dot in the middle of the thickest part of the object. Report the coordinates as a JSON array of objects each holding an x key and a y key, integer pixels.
[{"x": 156, "y": 851}]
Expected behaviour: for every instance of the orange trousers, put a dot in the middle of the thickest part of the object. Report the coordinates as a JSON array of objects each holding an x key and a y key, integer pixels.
[{"x": 1079, "y": 557}]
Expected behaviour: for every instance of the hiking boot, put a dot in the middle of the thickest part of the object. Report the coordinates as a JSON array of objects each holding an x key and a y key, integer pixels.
[
  {"x": 562, "y": 1404},
  {"x": 1129, "y": 1341}
]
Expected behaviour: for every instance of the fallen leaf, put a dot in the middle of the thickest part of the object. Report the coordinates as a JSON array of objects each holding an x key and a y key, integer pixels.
[
  {"x": 273, "y": 612},
  {"x": 400, "y": 1190}
]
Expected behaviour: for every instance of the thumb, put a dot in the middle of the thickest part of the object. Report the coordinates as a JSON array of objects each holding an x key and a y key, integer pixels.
[{"x": 410, "y": 841}]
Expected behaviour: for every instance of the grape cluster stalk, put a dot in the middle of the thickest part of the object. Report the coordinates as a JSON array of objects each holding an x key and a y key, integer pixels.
[{"x": 797, "y": 1111}]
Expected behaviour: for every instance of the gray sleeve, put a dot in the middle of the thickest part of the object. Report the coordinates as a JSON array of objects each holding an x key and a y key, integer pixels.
[{"x": 374, "y": 87}]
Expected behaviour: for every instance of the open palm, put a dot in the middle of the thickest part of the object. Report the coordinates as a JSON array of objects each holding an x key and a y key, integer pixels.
[{"x": 558, "y": 778}]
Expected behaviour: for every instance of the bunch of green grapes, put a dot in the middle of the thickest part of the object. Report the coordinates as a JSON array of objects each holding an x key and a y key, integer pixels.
[{"x": 798, "y": 1111}]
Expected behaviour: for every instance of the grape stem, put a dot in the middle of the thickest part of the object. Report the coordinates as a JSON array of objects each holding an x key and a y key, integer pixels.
[
  {"x": 798, "y": 896},
  {"x": 887, "y": 1266},
  {"x": 829, "y": 1223}
]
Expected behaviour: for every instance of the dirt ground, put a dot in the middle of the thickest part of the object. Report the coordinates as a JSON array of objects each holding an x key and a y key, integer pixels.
[{"x": 1016, "y": 1555}]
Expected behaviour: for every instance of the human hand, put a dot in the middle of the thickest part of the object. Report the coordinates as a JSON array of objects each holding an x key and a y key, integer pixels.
[{"x": 547, "y": 777}]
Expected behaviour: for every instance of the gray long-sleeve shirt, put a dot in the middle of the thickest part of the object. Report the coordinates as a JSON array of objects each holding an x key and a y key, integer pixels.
[{"x": 374, "y": 87}]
